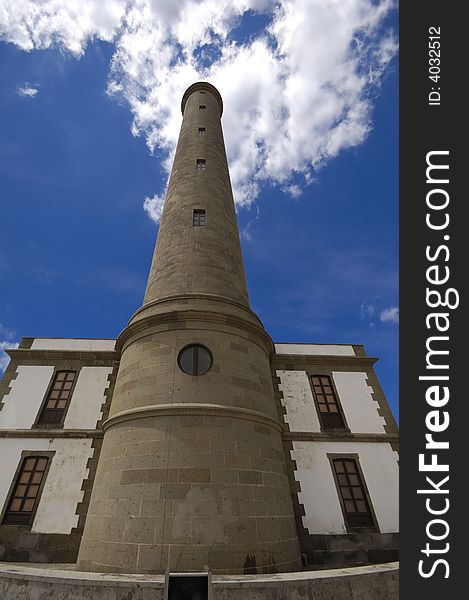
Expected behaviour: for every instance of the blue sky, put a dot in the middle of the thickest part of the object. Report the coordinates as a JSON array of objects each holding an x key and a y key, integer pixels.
[{"x": 88, "y": 123}]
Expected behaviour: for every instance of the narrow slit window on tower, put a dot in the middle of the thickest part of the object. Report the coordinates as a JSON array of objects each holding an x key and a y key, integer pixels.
[
  {"x": 198, "y": 217},
  {"x": 25, "y": 493},
  {"x": 202, "y": 107},
  {"x": 327, "y": 403},
  {"x": 355, "y": 506},
  {"x": 201, "y": 130},
  {"x": 58, "y": 397},
  {"x": 200, "y": 164}
]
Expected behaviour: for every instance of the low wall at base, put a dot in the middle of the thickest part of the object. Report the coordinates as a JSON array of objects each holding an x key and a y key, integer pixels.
[{"x": 373, "y": 582}]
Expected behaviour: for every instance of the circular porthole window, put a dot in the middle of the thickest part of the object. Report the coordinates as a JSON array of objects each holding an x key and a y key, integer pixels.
[{"x": 195, "y": 359}]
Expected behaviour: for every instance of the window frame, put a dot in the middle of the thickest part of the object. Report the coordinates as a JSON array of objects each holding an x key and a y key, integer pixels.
[
  {"x": 48, "y": 455},
  {"x": 202, "y": 107},
  {"x": 200, "y": 164},
  {"x": 58, "y": 424},
  {"x": 196, "y": 220},
  {"x": 337, "y": 402},
  {"x": 201, "y": 131},
  {"x": 373, "y": 527},
  {"x": 195, "y": 359}
]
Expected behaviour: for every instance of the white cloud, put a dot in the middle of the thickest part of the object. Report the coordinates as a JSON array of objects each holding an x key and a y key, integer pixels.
[
  {"x": 246, "y": 232},
  {"x": 294, "y": 190},
  {"x": 389, "y": 315},
  {"x": 295, "y": 95},
  {"x": 70, "y": 24},
  {"x": 6, "y": 333},
  {"x": 7, "y": 342},
  {"x": 366, "y": 310},
  {"x": 4, "y": 358},
  {"x": 154, "y": 207},
  {"x": 27, "y": 91}
]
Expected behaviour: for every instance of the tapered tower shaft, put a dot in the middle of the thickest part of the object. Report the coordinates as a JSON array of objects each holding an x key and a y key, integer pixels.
[
  {"x": 192, "y": 472},
  {"x": 199, "y": 259}
]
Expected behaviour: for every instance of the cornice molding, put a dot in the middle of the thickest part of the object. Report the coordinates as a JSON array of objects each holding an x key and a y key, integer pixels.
[
  {"x": 203, "y": 316},
  {"x": 51, "y": 433},
  {"x": 309, "y": 436},
  {"x": 191, "y": 296},
  {"x": 103, "y": 356},
  {"x": 336, "y": 360},
  {"x": 185, "y": 409}
]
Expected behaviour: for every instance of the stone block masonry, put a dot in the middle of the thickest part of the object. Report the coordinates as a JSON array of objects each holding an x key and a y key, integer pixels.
[
  {"x": 377, "y": 582},
  {"x": 192, "y": 472}
]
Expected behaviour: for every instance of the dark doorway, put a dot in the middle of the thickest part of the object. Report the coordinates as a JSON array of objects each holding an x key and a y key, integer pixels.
[{"x": 188, "y": 587}]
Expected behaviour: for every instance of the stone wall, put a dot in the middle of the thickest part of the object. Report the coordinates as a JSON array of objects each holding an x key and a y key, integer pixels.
[{"x": 378, "y": 582}]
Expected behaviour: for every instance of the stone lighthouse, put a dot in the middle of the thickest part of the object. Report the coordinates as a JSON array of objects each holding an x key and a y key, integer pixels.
[{"x": 192, "y": 473}]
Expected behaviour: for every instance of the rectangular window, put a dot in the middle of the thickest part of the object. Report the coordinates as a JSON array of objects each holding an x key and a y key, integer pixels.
[
  {"x": 327, "y": 403},
  {"x": 25, "y": 494},
  {"x": 198, "y": 218},
  {"x": 355, "y": 505},
  {"x": 201, "y": 130},
  {"x": 202, "y": 107},
  {"x": 200, "y": 165},
  {"x": 57, "y": 399}
]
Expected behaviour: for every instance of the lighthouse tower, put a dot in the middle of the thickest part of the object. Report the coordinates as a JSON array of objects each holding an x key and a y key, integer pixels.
[{"x": 192, "y": 473}]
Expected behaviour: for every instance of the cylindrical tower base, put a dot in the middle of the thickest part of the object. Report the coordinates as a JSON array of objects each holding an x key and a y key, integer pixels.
[{"x": 192, "y": 472}]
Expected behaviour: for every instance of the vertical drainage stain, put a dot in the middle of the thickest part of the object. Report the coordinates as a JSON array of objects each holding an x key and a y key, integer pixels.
[{"x": 250, "y": 565}]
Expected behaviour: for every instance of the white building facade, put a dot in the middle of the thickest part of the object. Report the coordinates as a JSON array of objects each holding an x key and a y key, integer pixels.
[
  {"x": 340, "y": 444},
  {"x": 54, "y": 396}
]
